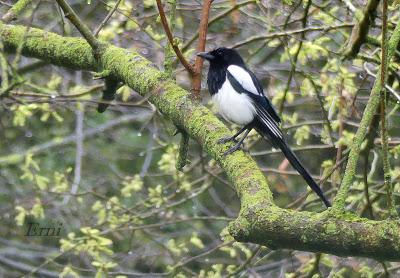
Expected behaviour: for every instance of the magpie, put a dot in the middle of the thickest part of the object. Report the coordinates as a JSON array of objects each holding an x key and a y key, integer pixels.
[{"x": 240, "y": 99}]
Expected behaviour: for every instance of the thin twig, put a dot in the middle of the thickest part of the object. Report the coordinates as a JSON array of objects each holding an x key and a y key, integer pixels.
[
  {"x": 295, "y": 57},
  {"x": 215, "y": 19},
  {"x": 341, "y": 113},
  {"x": 17, "y": 265},
  {"x": 389, "y": 88},
  {"x": 78, "y": 153},
  {"x": 246, "y": 262},
  {"x": 292, "y": 32},
  {"x": 169, "y": 53},
  {"x": 15, "y": 10},
  {"x": 320, "y": 99},
  {"x": 109, "y": 15},
  {"x": 78, "y": 23},
  {"x": 56, "y": 142},
  {"x": 171, "y": 40},
  {"x": 168, "y": 65},
  {"x": 368, "y": 204},
  {"x": 184, "y": 262}
]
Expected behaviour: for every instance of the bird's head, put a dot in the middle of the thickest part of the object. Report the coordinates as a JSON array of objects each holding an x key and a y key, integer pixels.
[{"x": 222, "y": 57}]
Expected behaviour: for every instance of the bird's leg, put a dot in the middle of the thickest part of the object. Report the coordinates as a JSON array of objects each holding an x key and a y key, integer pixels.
[
  {"x": 227, "y": 139},
  {"x": 238, "y": 144}
]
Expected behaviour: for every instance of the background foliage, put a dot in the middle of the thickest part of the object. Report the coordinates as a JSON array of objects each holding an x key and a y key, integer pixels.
[{"x": 110, "y": 179}]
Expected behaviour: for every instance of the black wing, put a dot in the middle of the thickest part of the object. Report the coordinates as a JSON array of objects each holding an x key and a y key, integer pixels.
[
  {"x": 267, "y": 103},
  {"x": 265, "y": 112}
]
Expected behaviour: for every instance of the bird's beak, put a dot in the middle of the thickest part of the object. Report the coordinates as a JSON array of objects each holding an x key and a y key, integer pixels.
[{"x": 205, "y": 55}]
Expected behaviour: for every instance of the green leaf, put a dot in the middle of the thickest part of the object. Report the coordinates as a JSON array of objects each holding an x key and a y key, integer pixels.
[
  {"x": 125, "y": 92},
  {"x": 37, "y": 210},
  {"x": 21, "y": 214},
  {"x": 196, "y": 241},
  {"x": 68, "y": 273},
  {"x": 301, "y": 134}
]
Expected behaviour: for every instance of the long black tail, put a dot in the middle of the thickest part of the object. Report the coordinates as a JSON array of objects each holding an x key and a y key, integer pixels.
[{"x": 303, "y": 172}]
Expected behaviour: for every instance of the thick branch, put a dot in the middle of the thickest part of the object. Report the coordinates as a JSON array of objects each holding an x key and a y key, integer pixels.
[
  {"x": 307, "y": 231},
  {"x": 360, "y": 31},
  {"x": 260, "y": 220}
]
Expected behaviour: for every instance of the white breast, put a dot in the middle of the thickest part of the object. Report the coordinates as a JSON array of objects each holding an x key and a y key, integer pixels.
[{"x": 234, "y": 107}]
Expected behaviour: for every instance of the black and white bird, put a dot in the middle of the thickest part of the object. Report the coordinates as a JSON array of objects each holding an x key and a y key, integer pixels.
[{"x": 240, "y": 99}]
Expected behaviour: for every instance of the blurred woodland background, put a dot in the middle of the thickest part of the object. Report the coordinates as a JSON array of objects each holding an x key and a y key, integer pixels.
[{"x": 110, "y": 181}]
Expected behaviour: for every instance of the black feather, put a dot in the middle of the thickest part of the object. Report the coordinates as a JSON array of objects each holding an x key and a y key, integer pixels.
[{"x": 293, "y": 159}]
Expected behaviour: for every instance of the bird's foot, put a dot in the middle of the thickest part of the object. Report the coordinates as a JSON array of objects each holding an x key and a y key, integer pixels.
[
  {"x": 233, "y": 149},
  {"x": 227, "y": 139}
]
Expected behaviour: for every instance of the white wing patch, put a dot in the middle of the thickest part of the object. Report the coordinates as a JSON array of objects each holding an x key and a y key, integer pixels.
[
  {"x": 244, "y": 78},
  {"x": 239, "y": 110},
  {"x": 233, "y": 106}
]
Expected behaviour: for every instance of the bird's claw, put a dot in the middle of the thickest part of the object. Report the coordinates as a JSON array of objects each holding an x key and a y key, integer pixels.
[
  {"x": 227, "y": 139},
  {"x": 232, "y": 150}
]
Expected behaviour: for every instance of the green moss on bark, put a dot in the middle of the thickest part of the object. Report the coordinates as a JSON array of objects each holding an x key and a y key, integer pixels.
[
  {"x": 372, "y": 105},
  {"x": 307, "y": 231},
  {"x": 15, "y": 10}
]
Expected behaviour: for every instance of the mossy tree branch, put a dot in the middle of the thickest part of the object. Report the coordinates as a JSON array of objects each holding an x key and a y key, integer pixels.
[
  {"x": 260, "y": 221},
  {"x": 15, "y": 10},
  {"x": 82, "y": 28},
  {"x": 360, "y": 30},
  {"x": 3, "y": 70},
  {"x": 384, "y": 133},
  {"x": 372, "y": 105}
]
